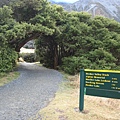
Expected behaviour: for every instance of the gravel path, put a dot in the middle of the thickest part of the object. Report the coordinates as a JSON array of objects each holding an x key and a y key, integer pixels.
[{"x": 24, "y": 97}]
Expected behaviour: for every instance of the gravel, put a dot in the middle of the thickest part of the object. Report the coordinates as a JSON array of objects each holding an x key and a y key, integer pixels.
[{"x": 32, "y": 91}]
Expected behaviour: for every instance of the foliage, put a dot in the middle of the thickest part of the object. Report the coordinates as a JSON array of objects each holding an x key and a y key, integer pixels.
[
  {"x": 90, "y": 43},
  {"x": 47, "y": 46},
  {"x": 8, "y": 59},
  {"x": 73, "y": 64},
  {"x": 28, "y": 57},
  {"x": 7, "y": 55},
  {"x": 13, "y": 34},
  {"x": 70, "y": 40}
]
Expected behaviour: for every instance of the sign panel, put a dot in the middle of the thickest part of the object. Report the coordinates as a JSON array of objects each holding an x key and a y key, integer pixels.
[
  {"x": 102, "y": 80},
  {"x": 103, "y": 83}
]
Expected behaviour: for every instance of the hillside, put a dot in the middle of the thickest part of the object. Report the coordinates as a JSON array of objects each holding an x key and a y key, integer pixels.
[{"x": 107, "y": 8}]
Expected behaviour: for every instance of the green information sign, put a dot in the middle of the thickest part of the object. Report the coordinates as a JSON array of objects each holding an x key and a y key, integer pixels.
[{"x": 103, "y": 83}]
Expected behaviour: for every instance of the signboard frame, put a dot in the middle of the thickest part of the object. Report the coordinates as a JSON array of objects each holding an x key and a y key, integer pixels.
[{"x": 102, "y": 83}]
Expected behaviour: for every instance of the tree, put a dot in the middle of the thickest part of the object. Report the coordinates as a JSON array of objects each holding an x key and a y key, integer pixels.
[
  {"x": 7, "y": 54},
  {"x": 32, "y": 21},
  {"x": 48, "y": 46},
  {"x": 71, "y": 41},
  {"x": 90, "y": 44}
]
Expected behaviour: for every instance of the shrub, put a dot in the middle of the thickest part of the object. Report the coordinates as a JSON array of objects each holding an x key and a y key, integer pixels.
[
  {"x": 72, "y": 65},
  {"x": 101, "y": 59},
  {"x": 8, "y": 59},
  {"x": 98, "y": 59},
  {"x": 28, "y": 57}
]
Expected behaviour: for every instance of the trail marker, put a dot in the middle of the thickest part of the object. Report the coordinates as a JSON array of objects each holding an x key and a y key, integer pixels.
[{"x": 103, "y": 83}]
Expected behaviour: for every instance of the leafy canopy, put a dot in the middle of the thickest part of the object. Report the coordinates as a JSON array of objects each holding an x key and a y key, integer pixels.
[{"x": 67, "y": 40}]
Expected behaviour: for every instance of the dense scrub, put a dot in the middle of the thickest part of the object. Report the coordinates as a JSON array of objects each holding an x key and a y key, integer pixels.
[
  {"x": 8, "y": 55},
  {"x": 82, "y": 42},
  {"x": 28, "y": 57},
  {"x": 69, "y": 41}
]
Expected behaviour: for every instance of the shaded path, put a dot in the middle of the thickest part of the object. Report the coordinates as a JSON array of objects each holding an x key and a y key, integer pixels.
[{"x": 24, "y": 97}]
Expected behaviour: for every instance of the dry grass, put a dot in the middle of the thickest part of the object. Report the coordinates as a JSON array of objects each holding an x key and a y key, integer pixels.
[
  {"x": 8, "y": 77},
  {"x": 65, "y": 105}
]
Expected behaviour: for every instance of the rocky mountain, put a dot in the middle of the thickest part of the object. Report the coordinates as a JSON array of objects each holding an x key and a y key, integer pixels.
[{"x": 107, "y": 8}]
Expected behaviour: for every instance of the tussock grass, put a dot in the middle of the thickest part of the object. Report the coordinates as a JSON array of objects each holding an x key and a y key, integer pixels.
[
  {"x": 7, "y": 77},
  {"x": 65, "y": 105}
]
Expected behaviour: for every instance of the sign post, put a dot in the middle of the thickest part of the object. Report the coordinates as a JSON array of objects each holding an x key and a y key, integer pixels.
[
  {"x": 103, "y": 83},
  {"x": 81, "y": 99}
]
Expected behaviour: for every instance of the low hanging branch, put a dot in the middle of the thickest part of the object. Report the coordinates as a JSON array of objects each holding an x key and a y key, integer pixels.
[
  {"x": 24, "y": 41},
  {"x": 17, "y": 44}
]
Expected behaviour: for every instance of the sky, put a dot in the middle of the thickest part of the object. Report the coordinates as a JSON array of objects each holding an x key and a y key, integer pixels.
[{"x": 69, "y": 1}]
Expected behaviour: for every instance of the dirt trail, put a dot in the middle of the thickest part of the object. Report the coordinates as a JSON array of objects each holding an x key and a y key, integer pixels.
[{"x": 22, "y": 98}]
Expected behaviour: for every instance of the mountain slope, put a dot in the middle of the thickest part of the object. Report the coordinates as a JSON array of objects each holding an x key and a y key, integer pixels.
[{"x": 107, "y": 8}]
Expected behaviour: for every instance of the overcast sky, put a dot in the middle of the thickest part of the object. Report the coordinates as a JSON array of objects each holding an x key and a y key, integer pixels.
[{"x": 69, "y": 1}]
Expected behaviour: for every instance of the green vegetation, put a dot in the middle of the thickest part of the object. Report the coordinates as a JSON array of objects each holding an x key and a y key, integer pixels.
[
  {"x": 7, "y": 54},
  {"x": 64, "y": 40},
  {"x": 28, "y": 57}
]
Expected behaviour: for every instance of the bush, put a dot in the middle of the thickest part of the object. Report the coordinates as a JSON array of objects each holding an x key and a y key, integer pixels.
[
  {"x": 28, "y": 57},
  {"x": 72, "y": 65},
  {"x": 98, "y": 59},
  {"x": 8, "y": 59},
  {"x": 101, "y": 59}
]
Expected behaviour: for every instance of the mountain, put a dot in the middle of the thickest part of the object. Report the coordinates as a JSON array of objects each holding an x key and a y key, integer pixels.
[
  {"x": 63, "y": 4},
  {"x": 107, "y": 8}
]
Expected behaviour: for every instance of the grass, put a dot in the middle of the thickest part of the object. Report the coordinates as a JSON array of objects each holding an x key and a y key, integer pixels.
[
  {"x": 65, "y": 105},
  {"x": 7, "y": 77}
]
